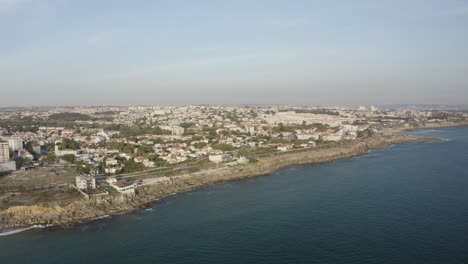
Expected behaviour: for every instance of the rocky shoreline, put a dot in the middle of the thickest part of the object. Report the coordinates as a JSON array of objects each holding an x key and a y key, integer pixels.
[
  {"x": 432, "y": 125},
  {"x": 84, "y": 210}
]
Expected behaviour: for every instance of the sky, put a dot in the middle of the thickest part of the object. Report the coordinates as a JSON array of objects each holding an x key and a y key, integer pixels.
[{"x": 112, "y": 52}]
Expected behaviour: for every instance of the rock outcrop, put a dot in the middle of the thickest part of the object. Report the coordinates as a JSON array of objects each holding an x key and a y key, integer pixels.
[{"x": 82, "y": 210}]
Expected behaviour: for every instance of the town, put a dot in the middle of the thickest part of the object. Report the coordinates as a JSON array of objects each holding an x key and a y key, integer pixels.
[{"x": 105, "y": 150}]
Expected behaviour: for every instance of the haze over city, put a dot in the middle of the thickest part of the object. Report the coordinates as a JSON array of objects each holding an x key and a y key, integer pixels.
[
  {"x": 242, "y": 131},
  {"x": 233, "y": 52}
]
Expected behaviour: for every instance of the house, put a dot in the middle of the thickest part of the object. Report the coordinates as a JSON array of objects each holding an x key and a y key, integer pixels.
[
  {"x": 25, "y": 154},
  {"x": 111, "y": 170},
  {"x": 84, "y": 182},
  {"x": 111, "y": 180},
  {"x": 94, "y": 171},
  {"x": 332, "y": 137},
  {"x": 36, "y": 148},
  {"x": 121, "y": 186},
  {"x": 216, "y": 158},
  {"x": 15, "y": 144},
  {"x": 148, "y": 164},
  {"x": 60, "y": 153},
  {"x": 141, "y": 159},
  {"x": 284, "y": 147},
  {"x": 242, "y": 160},
  {"x": 7, "y": 166},
  {"x": 111, "y": 162},
  {"x": 125, "y": 155}
]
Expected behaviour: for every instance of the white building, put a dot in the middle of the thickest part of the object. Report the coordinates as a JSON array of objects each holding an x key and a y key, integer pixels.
[
  {"x": 332, "y": 137},
  {"x": 36, "y": 148},
  {"x": 121, "y": 186},
  {"x": 217, "y": 158},
  {"x": 293, "y": 118},
  {"x": 307, "y": 136},
  {"x": 60, "y": 153},
  {"x": 4, "y": 151},
  {"x": 25, "y": 154},
  {"x": 175, "y": 130},
  {"x": 111, "y": 162},
  {"x": 85, "y": 182},
  {"x": 111, "y": 170},
  {"x": 7, "y": 166},
  {"x": 285, "y": 147},
  {"x": 15, "y": 143}
]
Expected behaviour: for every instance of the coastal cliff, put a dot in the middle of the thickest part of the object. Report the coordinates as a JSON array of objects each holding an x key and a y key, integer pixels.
[{"x": 82, "y": 210}]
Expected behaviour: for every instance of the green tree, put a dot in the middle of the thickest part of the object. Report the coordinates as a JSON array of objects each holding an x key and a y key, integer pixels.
[
  {"x": 223, "y": 147},
  {"x": 50, "y": 159},
  {"x": 69, "y": 158},
  {"x": 21, "y": 161},
  {"x": 69, "y": 144}
]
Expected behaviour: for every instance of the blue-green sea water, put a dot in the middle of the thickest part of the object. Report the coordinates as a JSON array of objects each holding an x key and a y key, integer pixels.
[{"x": 404, "y": 204}]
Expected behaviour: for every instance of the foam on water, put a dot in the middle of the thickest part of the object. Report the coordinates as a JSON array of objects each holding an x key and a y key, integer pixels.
[{"x": 16, "y": 231}]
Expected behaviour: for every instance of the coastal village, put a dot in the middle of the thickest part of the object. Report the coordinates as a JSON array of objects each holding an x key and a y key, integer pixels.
[{"x": 62, "y": 153}]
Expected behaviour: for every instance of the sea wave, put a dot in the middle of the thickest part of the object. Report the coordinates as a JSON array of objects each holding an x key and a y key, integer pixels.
[{"x": 16, "y": 231}]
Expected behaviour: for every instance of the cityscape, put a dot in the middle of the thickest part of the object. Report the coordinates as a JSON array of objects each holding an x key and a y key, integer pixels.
[
  {"x": 101, "y": 151},
  {"x": 228, "y": 132}
]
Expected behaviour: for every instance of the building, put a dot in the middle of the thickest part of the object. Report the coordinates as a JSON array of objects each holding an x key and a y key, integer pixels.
[
  {"x": 285, "y": 147},
  {"x": 292, "y": 118},
  {"x": 4, "y": 151},
  {"x": 60, "y": 153},
  {"x": 332, "y": 137},
  {"x": 25, "y": 154},
  {"x": 217, "y": 158},
  {"x": 85, "y": 182},
  {"x": 111, "y": 162},
  {"x": 175, "y": 130},
  {"x": 121, "y": 186},
  {"x": 7, "y": 166},
  {"x": 15, "y": 143},
  {"x": 36, "y": 148},
  {"x": 112, "y": 170}
]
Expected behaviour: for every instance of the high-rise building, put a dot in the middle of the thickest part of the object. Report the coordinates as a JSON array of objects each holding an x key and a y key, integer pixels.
[
  {"x": 4, "y": 151},
  {"x": 15, "y": 143}
]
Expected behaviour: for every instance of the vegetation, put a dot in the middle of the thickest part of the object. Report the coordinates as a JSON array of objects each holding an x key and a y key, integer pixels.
[
  {"x": 70, "y": 158},
  {"x": 365, "y": 133},
  {"x": 50, "y": 159},
  {"x": 68, "y": 116},
  {"x": 22, "y": 161},
  {"x": 19, "y": 124},
  {"x": 69, "y": 144},
  {"x": 143, "y": 150},
  {"x": 122, "y": 147},
  {"x": 29, "y": 148},
  {"x": 132, "y": 166},
  {"x": 139, "y": 130},
  {"x": 200, "y": 145},
  {"x": 223, "y": 147},
  {"x": 186, "y": 125}
]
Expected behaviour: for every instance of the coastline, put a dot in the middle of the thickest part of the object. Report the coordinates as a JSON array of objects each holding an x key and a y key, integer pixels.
[
  {"x": 83, "y": 210},
  {"x": 432, "y": 125}
]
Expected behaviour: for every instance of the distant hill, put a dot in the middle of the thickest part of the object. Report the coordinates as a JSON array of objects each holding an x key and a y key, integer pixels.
[{"x": 69, "y": 117}]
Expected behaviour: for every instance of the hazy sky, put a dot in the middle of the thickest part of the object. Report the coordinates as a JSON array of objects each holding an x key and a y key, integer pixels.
[{"x": 329, "y": 52}]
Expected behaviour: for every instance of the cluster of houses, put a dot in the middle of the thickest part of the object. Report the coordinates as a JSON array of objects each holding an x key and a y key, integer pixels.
[
  {"x": 191, "y": 132},
  {"x": 87, "y": 183},
  {"x": 233, "y": 126}
]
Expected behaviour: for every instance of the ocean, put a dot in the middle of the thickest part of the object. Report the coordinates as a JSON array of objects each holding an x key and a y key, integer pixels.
[{"x": 404, "y": 204}]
